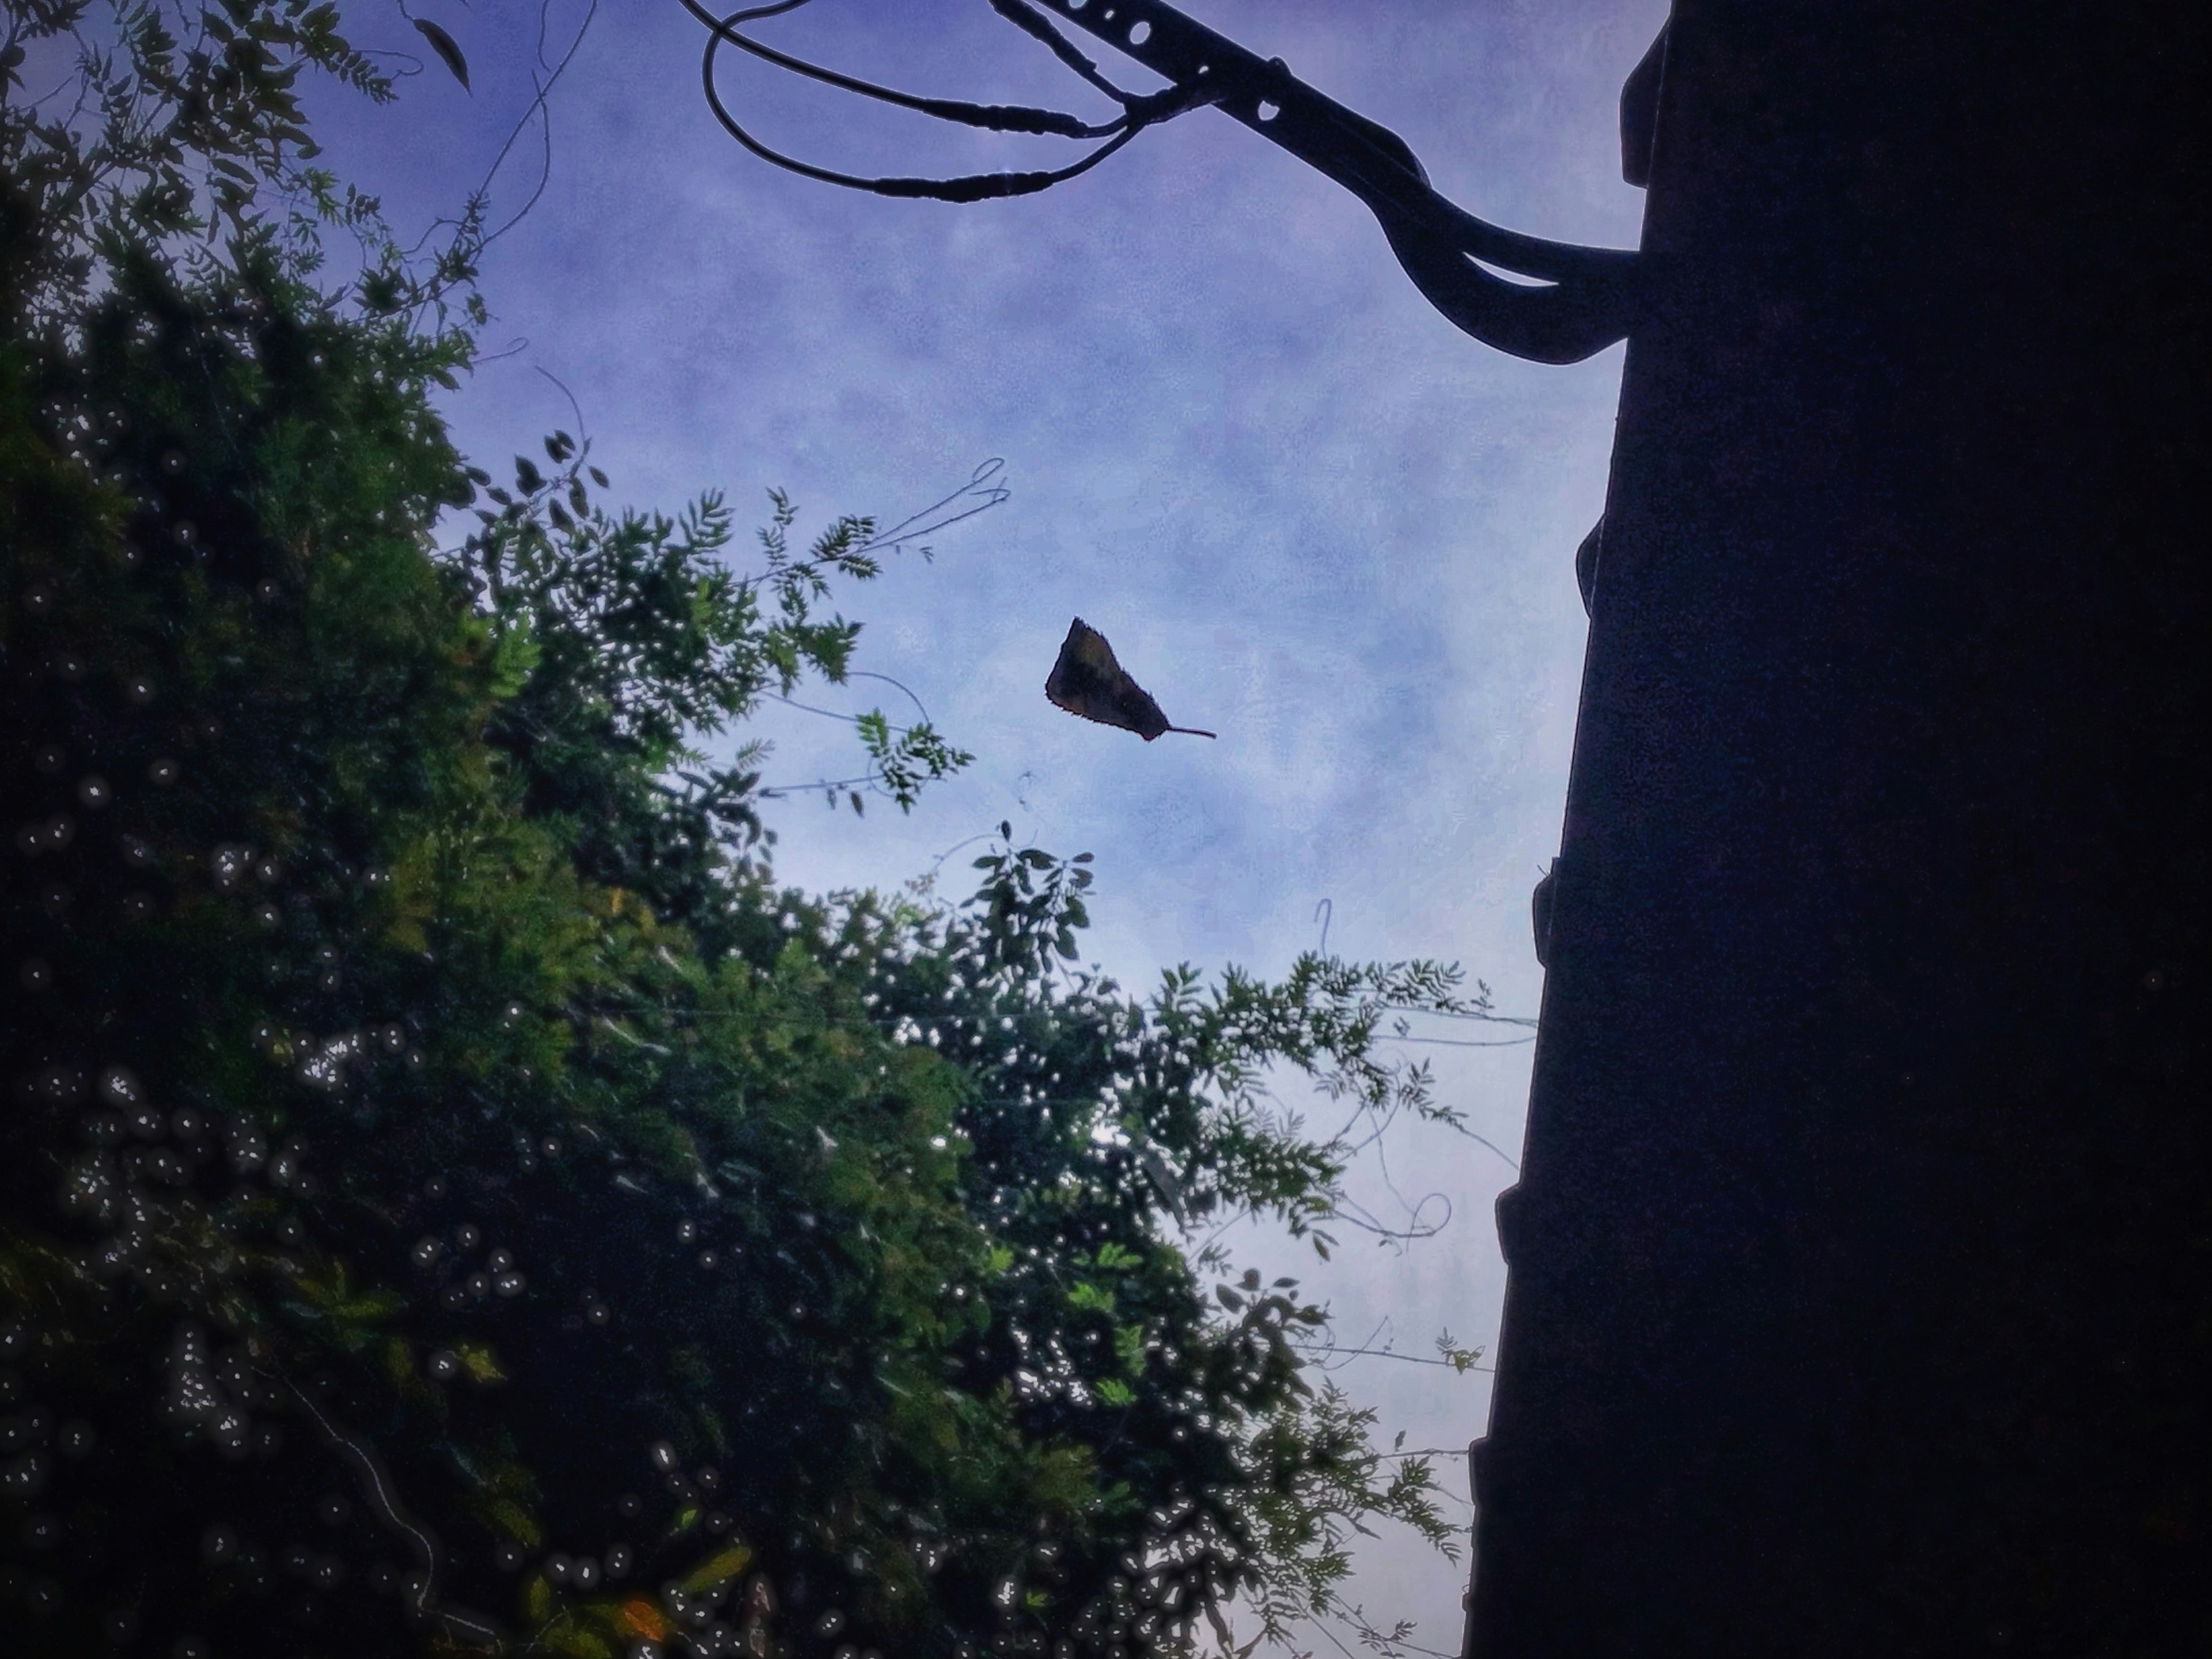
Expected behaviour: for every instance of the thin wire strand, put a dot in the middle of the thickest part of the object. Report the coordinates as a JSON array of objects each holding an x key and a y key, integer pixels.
[
  {"x": 1463, "y": 1042},
  {"x": 979, "y": 483},
  {"x": 1321, "y": 1355}
]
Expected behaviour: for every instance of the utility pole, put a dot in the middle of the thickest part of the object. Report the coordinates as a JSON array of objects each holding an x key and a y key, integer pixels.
[{"x": 1859, "y": 1263}]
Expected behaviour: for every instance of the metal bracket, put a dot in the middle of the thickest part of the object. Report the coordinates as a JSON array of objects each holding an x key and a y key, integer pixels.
[{"x": 1571, "y": 303}]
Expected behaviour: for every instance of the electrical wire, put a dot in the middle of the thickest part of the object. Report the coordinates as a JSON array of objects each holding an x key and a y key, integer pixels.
[{"x": 1137, "y": 112}]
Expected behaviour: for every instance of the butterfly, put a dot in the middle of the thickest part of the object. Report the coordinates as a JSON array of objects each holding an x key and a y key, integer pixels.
[{"x": 1087, "y": 680}]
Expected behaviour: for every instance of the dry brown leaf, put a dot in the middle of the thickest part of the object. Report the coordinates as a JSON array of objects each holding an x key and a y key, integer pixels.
[{"x": 1087, "y": 680}]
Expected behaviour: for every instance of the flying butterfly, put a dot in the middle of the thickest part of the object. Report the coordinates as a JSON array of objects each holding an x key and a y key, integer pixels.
[{"x": 1087, "y": 680}]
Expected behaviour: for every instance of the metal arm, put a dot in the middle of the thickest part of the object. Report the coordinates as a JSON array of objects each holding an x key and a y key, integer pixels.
[{"x": 1591, "y": 297}]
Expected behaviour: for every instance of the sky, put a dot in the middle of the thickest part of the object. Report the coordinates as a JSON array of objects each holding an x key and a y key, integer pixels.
[{"x": 1310, "y": 515}]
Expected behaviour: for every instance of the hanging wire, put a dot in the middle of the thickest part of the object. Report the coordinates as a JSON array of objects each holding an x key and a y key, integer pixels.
[
  {"x": 1556, "y": 302},
  {"x": 982, "y": 484},
  {"x": 1138, "y": 110}
]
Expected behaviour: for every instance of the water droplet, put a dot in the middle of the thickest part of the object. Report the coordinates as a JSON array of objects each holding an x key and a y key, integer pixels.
[
  {"x": 101, "y": 1128},
  {"x": 617, "y": 1560},
  {"x": 598, "y": 1313},
  {"x": 248, "y": 1150},
  {"x": 219, "y": 1544},
  {"x": 466, "y": 1237},
  {"x": 92, "y": 791},
  {"x": 161, "y": 772},
  {"x": 34, "y": 974},
  {"x": 444, "y": 1365},
  {"x": 663, "y": 1455},
  {"x": 556, "y": 1568},
  {"x": 508, "y": 1285}
]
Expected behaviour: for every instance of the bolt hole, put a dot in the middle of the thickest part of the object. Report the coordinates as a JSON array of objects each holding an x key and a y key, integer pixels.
[
  {"x": 1268, "y": 112},
  {"x": 1139, "y": 32}
]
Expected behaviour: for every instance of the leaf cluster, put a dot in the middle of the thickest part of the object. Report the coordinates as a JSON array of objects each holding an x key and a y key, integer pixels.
[
  {"x": 625, "y": 642},
  {"x": 453, "y": 1198}
]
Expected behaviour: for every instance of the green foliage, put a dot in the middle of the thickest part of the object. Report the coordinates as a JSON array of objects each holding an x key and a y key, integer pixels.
[
  {"x": 453, "y": 1198},
  {"x": 623, "y": 640}
]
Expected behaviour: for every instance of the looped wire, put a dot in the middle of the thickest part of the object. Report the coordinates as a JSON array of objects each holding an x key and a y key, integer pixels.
[{"x": 1137, "y": 111}]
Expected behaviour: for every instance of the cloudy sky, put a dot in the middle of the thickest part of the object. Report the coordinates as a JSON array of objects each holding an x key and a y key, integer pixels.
[{"x": 1310, "y": 515}]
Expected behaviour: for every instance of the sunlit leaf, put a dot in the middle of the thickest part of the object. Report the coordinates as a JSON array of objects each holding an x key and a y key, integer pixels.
[
  {"x": 476, "y": 1359},
  {"x": 643, "y": 1618},
  {"x": 718, "y": 1569},
  {"x": 517, "y": 1522}
]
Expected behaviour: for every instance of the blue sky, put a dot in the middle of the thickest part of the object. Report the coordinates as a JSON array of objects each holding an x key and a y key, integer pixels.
[{"x": 1310, "y": 515}]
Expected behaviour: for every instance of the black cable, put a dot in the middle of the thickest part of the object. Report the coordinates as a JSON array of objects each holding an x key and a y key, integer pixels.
[{"x": 1137, "y": 112}]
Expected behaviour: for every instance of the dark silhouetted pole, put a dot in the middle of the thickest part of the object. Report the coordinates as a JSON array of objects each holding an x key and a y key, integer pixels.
[{"x": 1858, "y": 1267}]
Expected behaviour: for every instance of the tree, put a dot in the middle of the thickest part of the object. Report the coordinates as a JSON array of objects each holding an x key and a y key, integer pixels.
[{"x": 454, "y": 1197}]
